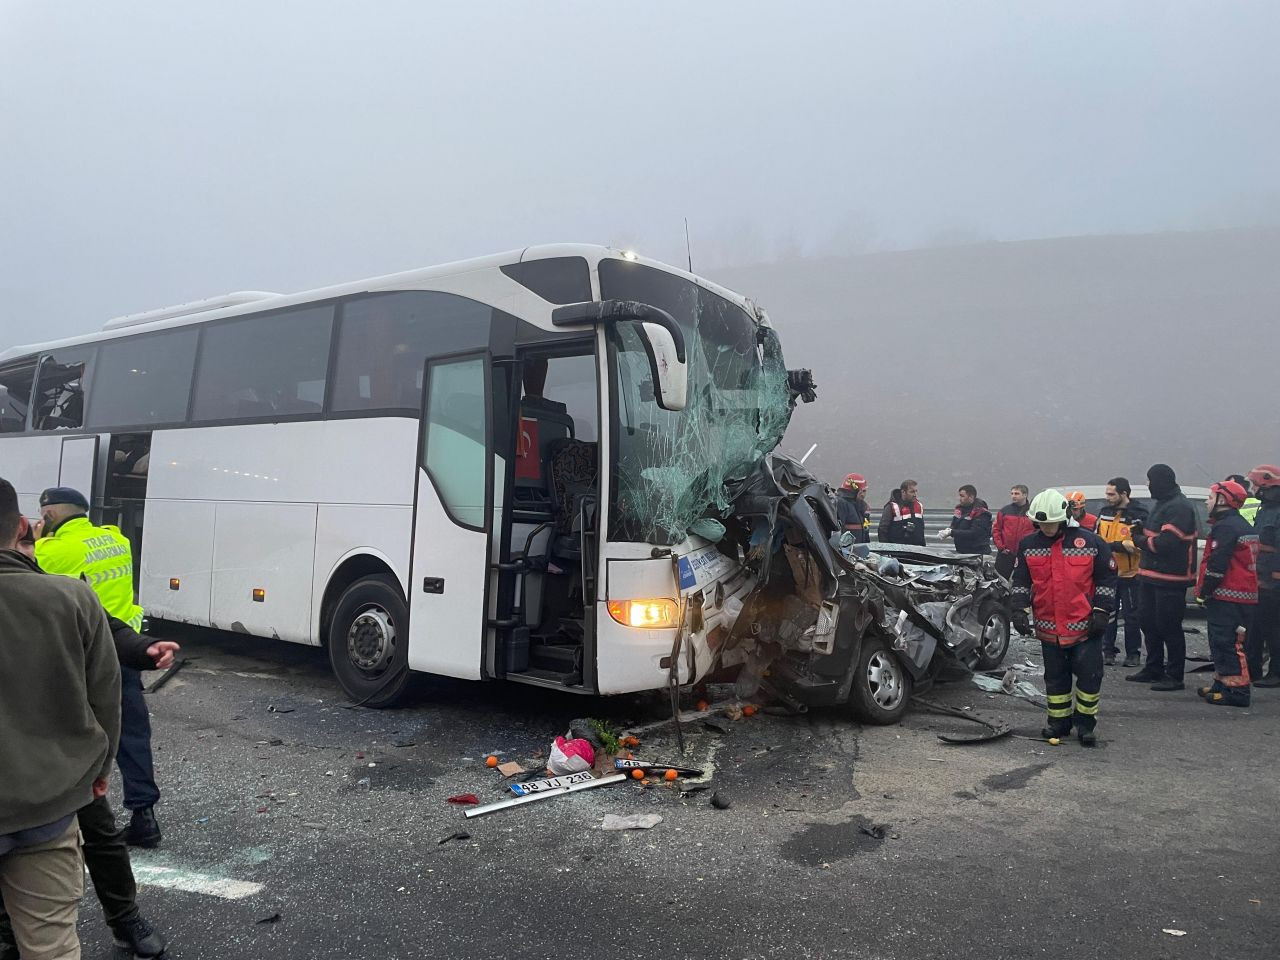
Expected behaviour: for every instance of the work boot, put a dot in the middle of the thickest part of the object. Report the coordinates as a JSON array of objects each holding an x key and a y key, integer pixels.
[
  {"x": 1133, "y": 660},
  {"x": 1146, "y": 675},
  {"x": 1228, "y": 698},
  {"x": 1053, "y": 731},
  {"x": 143, "y": 830},
  {"x": 1270, "y": 680},
  {"x": 1110, "y": 658},
  {"x": 1088, "y": 738},
  {"x": 1168, "y": 684},
  {"x": 135, "y": 939}
]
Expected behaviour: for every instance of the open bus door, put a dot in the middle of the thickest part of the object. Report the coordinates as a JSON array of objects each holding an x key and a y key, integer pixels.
[{"x": 453, "y": 518}]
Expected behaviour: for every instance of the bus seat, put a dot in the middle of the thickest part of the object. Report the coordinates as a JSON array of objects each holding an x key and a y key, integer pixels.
[{"x": 574, "y": 471}]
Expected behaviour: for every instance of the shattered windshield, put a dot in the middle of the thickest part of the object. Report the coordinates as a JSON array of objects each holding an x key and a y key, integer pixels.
[{"x": 671, "y": 468}]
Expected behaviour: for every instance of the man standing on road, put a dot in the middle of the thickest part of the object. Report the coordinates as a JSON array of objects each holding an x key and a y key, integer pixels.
[
  {"x": 1265, "y": 638},
  {"x": 1010, "y": 526},
  {"x": 903, "y": 518},
  {"x": 59, "y": 725},
  {"x": 1251, "y": 503},
  {"x": 851, "y": 508},
  {"x": 1080, "y": 511},
  {"x": 69, "y": 544},
  {"x": 970, "y": 530},
  {"x": 1065, "y": 575},
  {"x": 1114, "y": 523},
  {"x": 1228, "y": 588},
  {"x": 1166, "y": 569}
]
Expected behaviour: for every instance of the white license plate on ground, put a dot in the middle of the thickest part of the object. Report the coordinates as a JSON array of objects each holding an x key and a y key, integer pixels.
[{"x": 540, "y": 786}]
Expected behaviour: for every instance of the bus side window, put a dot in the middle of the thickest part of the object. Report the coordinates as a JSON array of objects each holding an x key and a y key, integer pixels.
[
  {"x": 61, "y": 385},
  {"x": 16, "y": 382}
]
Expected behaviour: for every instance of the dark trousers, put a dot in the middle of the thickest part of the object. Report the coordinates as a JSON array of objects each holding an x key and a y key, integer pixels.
[
  {"x": 1163, "y": 608},
  {"x": 107, "y": 858},
  {"x": 1081, "y": 662},
  {"x": 137, "y": 769},
  {"x": 1004, "y": 563},
  {"x": 1127, "y": 606},
  {"x": 1264, "y": 639}
]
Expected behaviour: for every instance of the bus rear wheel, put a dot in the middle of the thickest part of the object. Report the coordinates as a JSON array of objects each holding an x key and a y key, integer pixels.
[{"x": 369, "y": 642}]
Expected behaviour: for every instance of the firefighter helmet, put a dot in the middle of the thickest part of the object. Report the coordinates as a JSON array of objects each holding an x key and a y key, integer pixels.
[
  {"x": 1049, "y": 506},
  {"x": 1265, "y": 475},
  {"x": 1076, "y": 498},
  {"x": 1229, "y": 492},
  {"x": 855, "y": 481}
]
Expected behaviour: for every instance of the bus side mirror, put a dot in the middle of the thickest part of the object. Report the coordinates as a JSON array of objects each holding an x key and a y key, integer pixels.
[{"x": 662, "y": 337}]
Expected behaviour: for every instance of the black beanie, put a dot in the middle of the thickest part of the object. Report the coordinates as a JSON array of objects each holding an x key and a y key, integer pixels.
[{"x": 1161, "y": 480}]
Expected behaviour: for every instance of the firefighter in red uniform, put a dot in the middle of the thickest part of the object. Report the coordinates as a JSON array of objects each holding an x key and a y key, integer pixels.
[
  {"x": 1066, "y": 576},
  {"x": 1228, "y": 588}
]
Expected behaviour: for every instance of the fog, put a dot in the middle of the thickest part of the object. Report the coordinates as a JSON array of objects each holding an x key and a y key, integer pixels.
[{"x": 154, "y": 153}]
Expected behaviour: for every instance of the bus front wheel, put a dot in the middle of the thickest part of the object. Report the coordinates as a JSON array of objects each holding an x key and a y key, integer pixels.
[{"x": 369, "y": 642}]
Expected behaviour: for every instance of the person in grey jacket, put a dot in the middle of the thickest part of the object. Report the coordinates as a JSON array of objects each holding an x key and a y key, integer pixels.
[{"x": 59, "y": 727}]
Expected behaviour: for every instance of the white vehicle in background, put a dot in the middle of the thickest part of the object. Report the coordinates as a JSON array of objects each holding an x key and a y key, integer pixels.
[{"x": 488, "y": 469}]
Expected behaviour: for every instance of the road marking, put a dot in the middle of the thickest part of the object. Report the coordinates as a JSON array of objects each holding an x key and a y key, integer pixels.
[{"x": 189, "y": 881}]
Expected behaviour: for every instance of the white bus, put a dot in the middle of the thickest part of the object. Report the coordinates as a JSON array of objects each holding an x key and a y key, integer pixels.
[{"x": 488, "y": 469}]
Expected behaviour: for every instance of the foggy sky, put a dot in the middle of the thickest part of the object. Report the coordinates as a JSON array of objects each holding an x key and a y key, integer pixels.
[{"x": 155, "y": 152}]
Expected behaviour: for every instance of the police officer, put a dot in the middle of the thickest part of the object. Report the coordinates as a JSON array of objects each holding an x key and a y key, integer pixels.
[
  {"x": 69, "y": 544},
  {"x": 1228, "y": 588},
  {"x": 1066, "y": 576}
]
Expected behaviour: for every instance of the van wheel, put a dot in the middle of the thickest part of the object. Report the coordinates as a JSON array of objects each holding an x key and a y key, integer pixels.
[
  {"x": 369, "y": 642},
  {"x": 993, "y": 638},
  {"x": 881, "y": 689}
]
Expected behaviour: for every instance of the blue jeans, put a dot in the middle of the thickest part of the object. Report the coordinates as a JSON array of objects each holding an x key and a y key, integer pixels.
[
  {"x": 137, "y": 769},
  {"x": 1126, "y": 606}
]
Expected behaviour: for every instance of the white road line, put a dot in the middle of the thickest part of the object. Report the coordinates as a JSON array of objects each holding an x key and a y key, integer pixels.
[{"x": 189, "y": 881}]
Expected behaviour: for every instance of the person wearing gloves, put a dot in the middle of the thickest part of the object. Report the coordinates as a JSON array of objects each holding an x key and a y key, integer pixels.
[
  {"x": 1064, "y": 588},
  {"x": 1228, "y": 588},
  {"x": 970, "y": 530}
]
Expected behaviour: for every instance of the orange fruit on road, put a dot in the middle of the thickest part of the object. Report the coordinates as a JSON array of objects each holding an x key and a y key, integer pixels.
[
  {"x": 638, "y": 774},
  {"x": 702, "y": 705},
  {"x": 748, "y": 710},
  {"x": 670, "y": 775},
  {"x": 490, "y": 761}
]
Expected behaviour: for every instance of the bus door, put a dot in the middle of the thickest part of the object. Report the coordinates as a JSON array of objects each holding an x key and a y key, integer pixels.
[
  {"x": 78, "y": 463},
  {"x": 454, "y": 518}
]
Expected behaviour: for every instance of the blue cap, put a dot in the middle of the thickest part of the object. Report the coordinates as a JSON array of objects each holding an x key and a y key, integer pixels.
[{"x": 63, "y": 495}]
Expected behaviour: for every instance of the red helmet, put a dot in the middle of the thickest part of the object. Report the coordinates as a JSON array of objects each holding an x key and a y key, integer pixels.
[
  {"x": 1266, "y": 475},
  {"x": 855, "y": 480},
  {"x": 1231, "y": 492}
]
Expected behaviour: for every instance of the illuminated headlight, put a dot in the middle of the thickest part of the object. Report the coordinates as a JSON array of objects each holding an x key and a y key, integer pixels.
[{"x": 651, "y": 614}]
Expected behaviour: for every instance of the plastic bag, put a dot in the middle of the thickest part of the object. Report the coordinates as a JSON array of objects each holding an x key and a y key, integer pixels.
[{"x": 570, "y": 756}]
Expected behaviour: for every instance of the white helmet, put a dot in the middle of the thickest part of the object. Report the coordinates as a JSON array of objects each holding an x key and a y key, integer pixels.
[{"x": 1049, "y": 506}]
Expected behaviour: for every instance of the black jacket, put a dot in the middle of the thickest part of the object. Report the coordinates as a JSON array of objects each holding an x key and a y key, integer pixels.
[
  {"x": 971, "y": 528},
  {"x": 131, "y": 646},
  {"x": 1267, "y": 523},
  {"x": 1168, "y": 543},
  {"x": 851, "y": 511},
  {"x": 907, "y": 529}
]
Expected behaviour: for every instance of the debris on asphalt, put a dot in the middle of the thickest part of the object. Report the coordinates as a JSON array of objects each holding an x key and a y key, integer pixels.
[
  {"x": 633, "y": 764},
  {"x": 168, "y": 675},
  {"x": 1175, "y": 933},
  {"x": 691, "y": 788},
  {"x": 878, "y": 831},
  {"x": 274, "y": 918},
  {"x": 456, "y": 835},
  {"x": 595, "y": 732},
  {"x": 720, "y": 801},
  {"x": 463, "y": 799},
  {"x": 405, "y": 743},
  {"x": 632, "y": 821},
  {"x": 273, "y": 708},
  {"x": 570, "y": 756},
  {"x": 544, "y": 794},
  {"x": 314, "y": 826},
  {"x": 510, "y": 769},
  {"x": 716, "y": 724},
  {"x": 491, "y": 761},
  {"x": 549, "y": 783},
  {"x": 364, "y": 783}
]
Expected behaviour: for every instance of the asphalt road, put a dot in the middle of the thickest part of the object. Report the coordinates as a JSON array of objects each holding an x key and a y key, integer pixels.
[{"x": 1007, "y": 849}]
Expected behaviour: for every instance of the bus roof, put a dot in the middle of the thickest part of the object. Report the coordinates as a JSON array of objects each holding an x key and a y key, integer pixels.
[{"x": 251, "y": 301}]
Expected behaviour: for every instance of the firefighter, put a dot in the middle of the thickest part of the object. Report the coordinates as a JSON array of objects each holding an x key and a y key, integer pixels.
[
  {"x": 1266, "y": 618},
  {"x": 1228, "y": 588},
  {"x": 69, "y": 544},
  {"x": 851, "y": 508},
  {"x": 1066, "y": 576},
  {"x": 1080, "y": 512}
]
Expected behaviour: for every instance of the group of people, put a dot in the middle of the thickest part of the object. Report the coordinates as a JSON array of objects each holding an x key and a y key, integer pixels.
[
  {"x": 1076, "y": 576},
  {"x": 71, "y": 704}
]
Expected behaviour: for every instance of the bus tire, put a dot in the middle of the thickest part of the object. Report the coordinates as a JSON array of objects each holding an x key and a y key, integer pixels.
[
  {"x": 881, "y": 689},
  {"x": 368, "y": 642}
]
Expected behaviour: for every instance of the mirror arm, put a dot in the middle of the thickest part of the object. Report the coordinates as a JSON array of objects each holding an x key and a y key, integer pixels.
[{"x": 613, "y": 311}]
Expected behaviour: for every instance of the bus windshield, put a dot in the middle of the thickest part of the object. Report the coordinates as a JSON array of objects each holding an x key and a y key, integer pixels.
[{"x": 670, "y": 469}]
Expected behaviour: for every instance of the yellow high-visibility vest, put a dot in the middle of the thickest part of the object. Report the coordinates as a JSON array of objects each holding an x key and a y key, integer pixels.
[{"x": 101, "y": 556}]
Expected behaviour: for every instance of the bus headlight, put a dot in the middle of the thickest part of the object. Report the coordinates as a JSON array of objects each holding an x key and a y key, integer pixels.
[{"x": 651, "y": 614}]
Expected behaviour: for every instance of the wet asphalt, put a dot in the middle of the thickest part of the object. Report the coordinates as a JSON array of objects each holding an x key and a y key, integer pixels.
[{"x": 840, "y": 841}]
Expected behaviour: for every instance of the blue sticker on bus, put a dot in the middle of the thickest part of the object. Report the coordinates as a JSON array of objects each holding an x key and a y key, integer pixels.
[{"x": 687, "y": 579}]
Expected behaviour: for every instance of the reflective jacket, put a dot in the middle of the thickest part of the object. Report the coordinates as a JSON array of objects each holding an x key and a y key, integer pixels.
[
  {"x": 1063, "y": 579},
  {"x": 1114, "y": 527},
  {"x": 1010, "y": 526},
  {"x": 1250, "y": 510},
  {"x": 101, "y": 556},
  {"x": 902, "y": 523},
  {"x": 1268, "y": 527},
  {"x": 1229, "y": 570},
  {"x": 1168, "y": 543}
]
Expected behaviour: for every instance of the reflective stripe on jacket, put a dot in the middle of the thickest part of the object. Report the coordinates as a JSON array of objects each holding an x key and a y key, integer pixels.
[
  {"x": 1114, "y": 526},
  {"x": 1229, "y": 570},
  {"x": 1062, "y": 579},
  {"x": 100, "y": 556},
  {"x": 1168, "y": 543}
]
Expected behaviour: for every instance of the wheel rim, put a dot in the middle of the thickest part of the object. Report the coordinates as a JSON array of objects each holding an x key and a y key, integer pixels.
[
  {"x": 371, "y": 640},
  {"x": 995, "y": 634},
  {"x": 884, "y": 677}
]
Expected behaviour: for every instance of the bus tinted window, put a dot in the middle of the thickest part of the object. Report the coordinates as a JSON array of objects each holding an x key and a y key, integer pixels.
[
  {"x": 385, "y": 339},
  {"x": 263, "y": 366},
  {"x": 64, "y": 377},
  {"x": 143, "y": 380},
  {"x": 15, "y": 395},
  {"x": 556, "y": 280}
]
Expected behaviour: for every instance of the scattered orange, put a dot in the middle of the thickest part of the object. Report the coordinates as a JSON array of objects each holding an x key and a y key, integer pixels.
[
  {"x": 490, "y": 761},
  {"x": 670, "y": 775},
  {"x": 702, "y": 705},
  {"x": 748, "y": 710},
  {"x": 638, "y": 774},
  {"x": 630, "y": 755}
]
